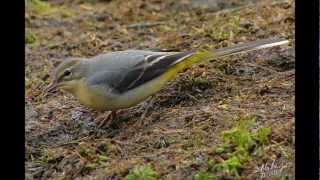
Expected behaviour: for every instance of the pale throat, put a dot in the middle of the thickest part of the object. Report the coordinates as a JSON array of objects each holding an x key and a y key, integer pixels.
[{"x": 86, "y": 96}]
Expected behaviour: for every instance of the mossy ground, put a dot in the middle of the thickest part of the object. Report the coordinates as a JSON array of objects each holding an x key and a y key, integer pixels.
[{"x": 192, "y": 128}]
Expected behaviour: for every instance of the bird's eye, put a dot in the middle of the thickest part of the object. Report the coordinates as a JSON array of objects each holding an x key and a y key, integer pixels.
[{"x": 67, "y": 73}]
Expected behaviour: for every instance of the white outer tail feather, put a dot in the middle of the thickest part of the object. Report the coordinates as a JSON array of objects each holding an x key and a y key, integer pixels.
[
  {"x": 271, "y": 45},
  {"x": 250, "y": 46},
  {"x": 236, "y": 49}
]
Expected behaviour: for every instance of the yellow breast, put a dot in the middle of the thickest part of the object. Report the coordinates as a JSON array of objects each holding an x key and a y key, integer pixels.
[
  {"x": 100, "y": 99},
  {"x": 88, "y": 97}
]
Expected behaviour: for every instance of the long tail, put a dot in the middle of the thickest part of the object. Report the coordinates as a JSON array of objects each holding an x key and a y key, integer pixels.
[
  {"x": 197, "y": 56},
  {"x": 237, "y": 49},
  {"x": 250, "y": 46}
]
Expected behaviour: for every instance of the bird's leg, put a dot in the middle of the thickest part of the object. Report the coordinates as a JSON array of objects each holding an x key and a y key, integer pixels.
[
  {"x": 147, "y": 107},
  {"x": 106, "y": 118}
]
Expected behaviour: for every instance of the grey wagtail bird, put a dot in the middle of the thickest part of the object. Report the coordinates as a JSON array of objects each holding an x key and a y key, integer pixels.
[{"x": 122, "y": 79}]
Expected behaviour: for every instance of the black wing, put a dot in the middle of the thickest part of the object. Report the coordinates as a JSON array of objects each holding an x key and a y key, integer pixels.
[{"x": 151, "y": 67}]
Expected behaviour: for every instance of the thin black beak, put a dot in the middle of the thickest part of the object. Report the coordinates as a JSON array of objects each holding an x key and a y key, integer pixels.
[{"x": 52, "y": 87}]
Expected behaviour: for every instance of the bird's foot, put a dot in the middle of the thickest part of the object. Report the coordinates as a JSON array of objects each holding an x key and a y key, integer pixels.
[
  {"x": 147, "y": 107},
  {"x": 105, "y": 119},
  {"x": 149, "y": 103}
]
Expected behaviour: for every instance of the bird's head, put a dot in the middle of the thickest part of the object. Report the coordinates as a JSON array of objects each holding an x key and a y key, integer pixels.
[{"x": 68, "y": 75}]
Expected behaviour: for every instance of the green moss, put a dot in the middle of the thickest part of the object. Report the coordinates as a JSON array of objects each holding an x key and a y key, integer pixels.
[
  {"x": 38, "y": 7},
  {"x": 262, "y": 134},
  {"x": 30, "y": 37},
  {"x": 85, "y": 150},
  {"x": 202, "y": 175},
  {"x": 285, "y": 152},
  {"x": 103, "y": 160},
  {"x": 240, "y": 145},
  {"x": 90, "y": 167},
  {"x": 220, "y": 36},
  {"x": 142, "y": 173},
  {"x": 66, "y": 13},
  {"x": 219, "y": 150},
  {"x": 240, "y": 136},
  {"x": 230, "y": 166}
]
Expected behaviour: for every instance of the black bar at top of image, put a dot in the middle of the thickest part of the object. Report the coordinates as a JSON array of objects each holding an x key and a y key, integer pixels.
[{"x": 307, "y": 90}]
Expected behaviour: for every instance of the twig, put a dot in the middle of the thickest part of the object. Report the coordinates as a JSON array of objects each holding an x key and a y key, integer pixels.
[
  {"x": 147, "y": 108},
  {"x": 73, "y": 142},
  {"x": 233, "y": 9},
  {"x": 144, "y": 25},
  {"x": 261, "y": 67},
  {"x": 192, "y": 97}
]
